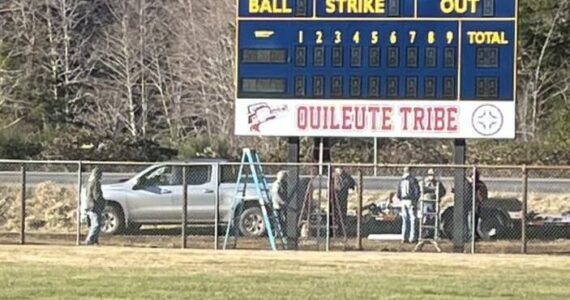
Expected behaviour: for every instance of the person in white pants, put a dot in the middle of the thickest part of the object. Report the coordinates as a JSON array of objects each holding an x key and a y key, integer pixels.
[
  {"x": 279, "y": 196},
  {"x": 408, "y": 192}
]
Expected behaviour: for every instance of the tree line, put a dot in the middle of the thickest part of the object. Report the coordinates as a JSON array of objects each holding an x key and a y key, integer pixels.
[{"x": 153, "y": 79}]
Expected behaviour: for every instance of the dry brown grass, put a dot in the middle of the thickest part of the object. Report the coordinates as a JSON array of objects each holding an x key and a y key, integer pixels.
[{"x": 49, "y": 207}]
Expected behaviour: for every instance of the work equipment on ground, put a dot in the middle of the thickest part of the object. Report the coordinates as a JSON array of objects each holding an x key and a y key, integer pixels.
[{"x": 250, "y": 166}]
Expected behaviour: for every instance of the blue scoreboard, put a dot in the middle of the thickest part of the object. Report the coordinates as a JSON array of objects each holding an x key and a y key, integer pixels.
[{"x": 376, "y": 68}]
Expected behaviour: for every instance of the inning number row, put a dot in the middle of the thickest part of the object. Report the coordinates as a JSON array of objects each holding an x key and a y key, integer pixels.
[{"x": 374, "y": 37}]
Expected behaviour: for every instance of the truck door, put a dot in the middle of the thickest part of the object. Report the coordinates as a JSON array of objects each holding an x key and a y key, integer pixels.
[
  {"x": 151, "y": 199},
  {"x": 201, "y": 194}
]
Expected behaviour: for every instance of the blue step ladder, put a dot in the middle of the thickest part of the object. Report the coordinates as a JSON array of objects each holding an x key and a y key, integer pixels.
[
  {"x": 250, "y": 166},
  {"x": 429, "y": 195}
]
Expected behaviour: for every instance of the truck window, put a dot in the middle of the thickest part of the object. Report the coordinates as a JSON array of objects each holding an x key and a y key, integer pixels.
[
  {"x": 198, "y": 175},
  {"x": 229, "y": 174},
  {"x": 172, "y": 175},
  {"x": 159, "y": 176}
]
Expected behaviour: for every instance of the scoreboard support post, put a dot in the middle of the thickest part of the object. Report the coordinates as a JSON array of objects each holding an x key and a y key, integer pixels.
[
  {"x": 295, "y": 195},
  {"x": 459, "y": 205},
  {"x": 321, "y": 153},
  {"x": 375, "y": 156}
]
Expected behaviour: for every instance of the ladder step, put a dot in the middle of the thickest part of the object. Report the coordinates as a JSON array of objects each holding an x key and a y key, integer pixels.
[
  {"x": 240, "y": 193},
  {"x": 428, "y": 226},
  {"x": 246, "y": 197}
]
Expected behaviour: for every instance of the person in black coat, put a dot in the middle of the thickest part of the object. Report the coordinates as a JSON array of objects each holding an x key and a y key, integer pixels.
[{"x": 95, "y": 204}]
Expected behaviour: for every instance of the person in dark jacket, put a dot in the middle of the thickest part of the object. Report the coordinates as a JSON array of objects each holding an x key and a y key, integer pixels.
[
  {"x": 343, "y": 183},
  {"x": 95, "y": 204},
  {"x": 481, "y": 195}
]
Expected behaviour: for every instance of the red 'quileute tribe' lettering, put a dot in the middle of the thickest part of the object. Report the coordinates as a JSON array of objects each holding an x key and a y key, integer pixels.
[{"x": 377, "y": 118}]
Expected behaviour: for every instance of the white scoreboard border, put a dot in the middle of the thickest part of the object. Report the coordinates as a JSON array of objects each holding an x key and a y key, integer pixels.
[{"x": 507, "y": 108}]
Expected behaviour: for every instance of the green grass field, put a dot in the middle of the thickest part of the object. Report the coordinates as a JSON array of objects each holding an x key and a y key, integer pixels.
[{"x": 53, "y": 272}]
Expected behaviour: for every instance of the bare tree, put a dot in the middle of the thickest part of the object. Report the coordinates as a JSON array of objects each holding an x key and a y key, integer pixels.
[
  {"x": 20, "y": 30},
  {"x": 117, "y": 53},
  {"x": 542, "y": 81},
  {"x": 203, "y": 55}
]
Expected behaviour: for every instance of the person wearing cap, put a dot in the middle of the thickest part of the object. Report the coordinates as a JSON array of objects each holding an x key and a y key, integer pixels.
[
  {"x": 431, "y": 185},
  {"x": 408, "y": 192},
  {"x": 95, "y": 204}
]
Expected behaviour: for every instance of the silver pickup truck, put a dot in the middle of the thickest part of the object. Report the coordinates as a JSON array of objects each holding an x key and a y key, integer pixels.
[{"x": 154, "y": 196}]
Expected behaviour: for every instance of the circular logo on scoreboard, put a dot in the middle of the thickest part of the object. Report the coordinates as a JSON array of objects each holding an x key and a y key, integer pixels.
[{"x": 487, "y": 120}]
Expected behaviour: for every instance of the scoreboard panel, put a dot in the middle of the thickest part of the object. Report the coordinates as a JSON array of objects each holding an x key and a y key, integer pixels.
[{"x": 378, "y": 68}]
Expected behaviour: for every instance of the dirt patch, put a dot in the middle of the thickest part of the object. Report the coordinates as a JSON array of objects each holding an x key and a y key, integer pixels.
[
  {"x": 172, "y": 241},
  {"x": 118, "y": 256}
]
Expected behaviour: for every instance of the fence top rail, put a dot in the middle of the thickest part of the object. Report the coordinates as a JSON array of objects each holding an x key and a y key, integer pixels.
[
  {"x": 291, "y": 164},
  {"x": 33, "y": 162},
  {"x": 100, "y": 163}
]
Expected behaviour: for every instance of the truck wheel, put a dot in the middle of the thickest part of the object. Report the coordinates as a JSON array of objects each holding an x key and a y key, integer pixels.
[
  {"x": 447, "y": 224},
  {"x": 490, "y": 228},
  {"x": 251, "y": 222},
  {"x": 113, "y": 220}
]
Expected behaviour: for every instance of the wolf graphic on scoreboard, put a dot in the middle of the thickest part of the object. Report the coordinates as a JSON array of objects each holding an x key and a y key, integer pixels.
[{"x": 261, "y": 112}]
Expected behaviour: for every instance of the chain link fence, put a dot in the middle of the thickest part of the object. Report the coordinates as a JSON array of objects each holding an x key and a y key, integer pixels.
[
  {"x": 548, "y": 210},
  {"x": 11, "y": 209},
  {"x": 301, "y": 214},
  {"x": 38, "y": 203},
  {"x": 426, "y": 217},
  {"x": 499, "y": 213},
  {"x": 328, "y": 207},
  {"x": 142, "y": 208}
]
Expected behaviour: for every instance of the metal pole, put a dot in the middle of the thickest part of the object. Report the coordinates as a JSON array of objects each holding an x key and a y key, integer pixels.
[
  {"x": 23, "y": 206},
  {"x": 217, "y": 204},
  {"x": 321, "y": 152},
  {"x": 184, "y": 206},
  {"x": 459, "y": 207},
  {"x": 79, "y": 185},
  {"x": 296, "y": 198},
  {"x": 375, "y": 156},
  {"x": 473, "y": 215},
  {"x": 359, "y": 212},
  {"x": 319, "y": 210},
  {"x": 330, "y": 193},
  {"x": 524, "y": 209}
]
